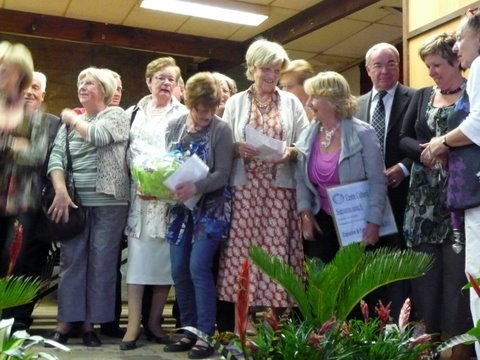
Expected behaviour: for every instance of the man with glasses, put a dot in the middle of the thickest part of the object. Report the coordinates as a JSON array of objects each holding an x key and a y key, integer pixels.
[{"x": 384, "y": 108}]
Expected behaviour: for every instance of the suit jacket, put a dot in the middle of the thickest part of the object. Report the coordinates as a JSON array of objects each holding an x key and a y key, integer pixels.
[{"x": 393, "y": 153}]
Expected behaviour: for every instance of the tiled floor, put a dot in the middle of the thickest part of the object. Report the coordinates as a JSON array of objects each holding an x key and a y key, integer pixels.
[{"x": 44, "y": 323}]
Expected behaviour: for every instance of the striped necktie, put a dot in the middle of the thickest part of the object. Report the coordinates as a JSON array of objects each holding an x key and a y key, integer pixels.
[{"x": 378, "y": 119}]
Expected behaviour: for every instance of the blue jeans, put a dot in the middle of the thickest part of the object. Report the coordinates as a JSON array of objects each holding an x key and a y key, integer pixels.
[{"x": 194, "y": 283}]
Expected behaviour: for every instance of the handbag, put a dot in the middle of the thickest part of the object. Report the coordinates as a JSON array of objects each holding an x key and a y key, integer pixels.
[
  {"x": 463, "y": 183},
  {"x": 63, "y": 231}
]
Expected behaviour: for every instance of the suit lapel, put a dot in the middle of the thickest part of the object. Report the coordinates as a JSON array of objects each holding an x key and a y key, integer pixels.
[
  {"x": 400, "y": 101},
  {"x": 364, "y": 107}
]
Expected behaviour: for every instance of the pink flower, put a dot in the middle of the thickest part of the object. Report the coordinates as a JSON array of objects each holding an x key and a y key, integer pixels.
[
  {"x": 315, "y": 339},
  {"x": 420, "y": 340},
  {"x": 327, "y": 325},
  {"x": 404, "y": 315}
]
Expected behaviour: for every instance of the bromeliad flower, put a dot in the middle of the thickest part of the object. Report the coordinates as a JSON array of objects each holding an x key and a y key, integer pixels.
[
  {"x": 404, "y": 315},
  {"x": 15, "y": 247},
  {"x": 364, "y": 310},
  {"x": 383, "y": 313},
  {"x": 474, "y": 283}
]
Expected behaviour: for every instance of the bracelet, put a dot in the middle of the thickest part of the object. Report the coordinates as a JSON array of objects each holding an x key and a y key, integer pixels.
[{"x": 444, "y": 142}]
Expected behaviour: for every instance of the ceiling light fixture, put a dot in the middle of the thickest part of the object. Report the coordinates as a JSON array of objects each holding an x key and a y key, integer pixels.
[{"x": 206, "y": 10}]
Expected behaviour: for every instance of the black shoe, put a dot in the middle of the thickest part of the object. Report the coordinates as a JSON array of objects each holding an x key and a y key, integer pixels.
[
  {"x": 201, "y": 352},
  {"x": 58, "y": 337},
  {"x": 129, "y": 345},
  {"x": 165, "y": 340},
  {"x": 184, "y": 344},
  {"x": 91, "y": 339},
  {"x": 112, "y": 331}
]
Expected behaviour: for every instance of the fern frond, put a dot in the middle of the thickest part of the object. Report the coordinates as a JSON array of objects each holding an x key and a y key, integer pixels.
[
  {"x": 17, "y": 290},
  {"x": 285, "y": 276},
  {"x": 378, "y": 268},
  {"x": 329, "y": 282}
]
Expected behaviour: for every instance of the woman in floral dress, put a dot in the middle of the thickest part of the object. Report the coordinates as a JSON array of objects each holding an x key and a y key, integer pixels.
[{"x": 264, "y": 205}]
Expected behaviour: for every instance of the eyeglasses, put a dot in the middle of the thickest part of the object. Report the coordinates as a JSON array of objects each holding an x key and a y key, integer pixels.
[
  {"x": 163, "y": 79},
  {"x": 391, "y": 65}
]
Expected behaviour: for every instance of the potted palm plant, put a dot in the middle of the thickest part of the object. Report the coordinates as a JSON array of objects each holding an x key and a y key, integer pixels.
[
  {"x": 14, "y": 291},
  {"x": 323, "y": 330}
]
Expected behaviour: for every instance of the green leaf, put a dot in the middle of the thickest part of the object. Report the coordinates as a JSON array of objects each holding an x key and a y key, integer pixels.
[
  {"x": 16, "y": 291},
  {"x": 285, "y": 276}
]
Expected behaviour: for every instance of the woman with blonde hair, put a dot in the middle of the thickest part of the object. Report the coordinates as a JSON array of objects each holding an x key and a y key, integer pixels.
[
  {"x": 263, "y": 209},
  {"x": 23, "y": 143},
  {"x": 335, "y": 149},
  {"x": 88, "y": 261}
]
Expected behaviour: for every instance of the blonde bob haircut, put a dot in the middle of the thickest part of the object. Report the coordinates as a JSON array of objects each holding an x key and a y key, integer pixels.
[
  {"x": 301, "y": 68},
  {"x": 160, "y": 63},
  {"x": 263, "y": 53},
  {"x": 104, "y": 77},
  {"x": 335, "y": 88},
  {"x": 203, "y": 89},
  {"x": 20, "y": 57}
]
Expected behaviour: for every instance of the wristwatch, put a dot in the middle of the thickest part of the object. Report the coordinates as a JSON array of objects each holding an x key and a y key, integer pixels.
[{"x": 444, "y": 142}]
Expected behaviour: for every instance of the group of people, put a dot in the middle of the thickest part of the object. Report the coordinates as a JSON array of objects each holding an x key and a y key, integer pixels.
[{"x": 401, "y": 141}]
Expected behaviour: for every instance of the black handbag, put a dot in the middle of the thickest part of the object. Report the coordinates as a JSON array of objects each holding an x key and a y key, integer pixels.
[{"x": 63, "y": 231}]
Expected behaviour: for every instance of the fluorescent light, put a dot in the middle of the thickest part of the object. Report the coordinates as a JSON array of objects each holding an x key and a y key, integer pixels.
[{"x": 206, "y": 11}]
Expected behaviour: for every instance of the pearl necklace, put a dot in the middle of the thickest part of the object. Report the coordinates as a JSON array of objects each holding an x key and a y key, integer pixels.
[{"x": 328, "y": 136}]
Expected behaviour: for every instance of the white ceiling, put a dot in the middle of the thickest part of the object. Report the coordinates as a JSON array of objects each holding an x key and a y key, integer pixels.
[{"x": 337, "y": 46}]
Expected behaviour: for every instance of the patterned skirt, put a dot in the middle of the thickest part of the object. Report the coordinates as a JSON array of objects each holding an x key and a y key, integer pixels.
[{"x": 262, "y": 215}]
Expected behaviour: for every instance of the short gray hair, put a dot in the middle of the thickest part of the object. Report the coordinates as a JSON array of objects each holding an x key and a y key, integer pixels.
[
  {"x": 42, "y": 79},
  {"x": 379, "y": 47},
  {"x": 105, "y": 78}
]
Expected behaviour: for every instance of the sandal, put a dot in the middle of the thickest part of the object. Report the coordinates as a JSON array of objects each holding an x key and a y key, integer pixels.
[
  {"x": 200, "y": 351},
  {"x": 184, "y": 344}
]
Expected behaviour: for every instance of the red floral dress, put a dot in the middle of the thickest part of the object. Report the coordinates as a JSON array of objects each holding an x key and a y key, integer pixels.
[{"x": 262, "y": 215}]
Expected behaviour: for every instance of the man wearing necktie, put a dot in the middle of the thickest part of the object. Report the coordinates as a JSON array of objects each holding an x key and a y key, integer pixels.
[{"x": 384, "y": 108}]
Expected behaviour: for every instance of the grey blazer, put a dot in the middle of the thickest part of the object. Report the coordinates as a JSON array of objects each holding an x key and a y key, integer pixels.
[{"x": 360, "y": 159}]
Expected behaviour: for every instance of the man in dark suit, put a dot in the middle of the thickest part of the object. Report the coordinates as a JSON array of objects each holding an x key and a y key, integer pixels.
[{"x": 383, "y": 67}]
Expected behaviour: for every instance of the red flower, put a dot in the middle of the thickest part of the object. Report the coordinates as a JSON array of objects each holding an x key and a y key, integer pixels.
[
  {"x": 241, "y": 307},
  {"x": 474, "y": 283},
  {"x": 383, "y": 313},
  {"x": 15, "y": 247}
]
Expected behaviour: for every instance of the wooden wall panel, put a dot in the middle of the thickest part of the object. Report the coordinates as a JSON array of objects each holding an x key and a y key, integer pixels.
[
  {"x": 423, "y": 12},
  {"x": 62, "y": 61},
  {"x": 418, "y": 73}
]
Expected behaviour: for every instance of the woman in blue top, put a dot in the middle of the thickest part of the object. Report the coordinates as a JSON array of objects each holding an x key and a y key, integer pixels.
[{"x": 195, "y": 235}]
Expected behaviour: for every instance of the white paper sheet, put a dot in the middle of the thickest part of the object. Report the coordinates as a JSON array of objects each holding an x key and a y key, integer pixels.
[
  {"x": 268, "y": 147},
  {"x": 193, "y": 169}
]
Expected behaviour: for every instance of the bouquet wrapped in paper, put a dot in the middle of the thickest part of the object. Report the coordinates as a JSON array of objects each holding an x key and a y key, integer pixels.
[{"x": 150, "y": 172}]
